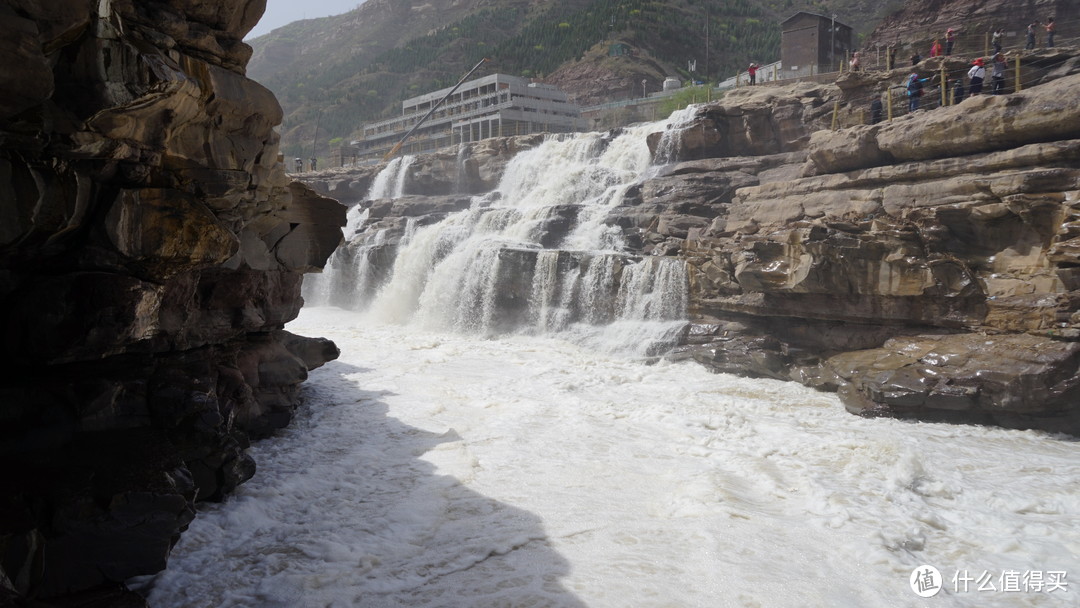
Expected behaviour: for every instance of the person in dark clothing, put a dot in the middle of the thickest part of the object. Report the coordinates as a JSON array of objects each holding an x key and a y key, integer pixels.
[
  {"x": 752, "y": 71},
  {"x": 958, "y": 91},
  {"x": 915, "y": 59},
  {"x": 877, "y": 110},
  {"x": 1031, "y": 36},
  {"x": 950, "y": 39}
]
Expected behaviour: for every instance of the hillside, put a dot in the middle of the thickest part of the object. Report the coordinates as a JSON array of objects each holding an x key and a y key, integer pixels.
[{"x": 338, "y": 72}]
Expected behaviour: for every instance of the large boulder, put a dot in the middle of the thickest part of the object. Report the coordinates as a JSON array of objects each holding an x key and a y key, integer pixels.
[{"x": 1017, "y": 381}]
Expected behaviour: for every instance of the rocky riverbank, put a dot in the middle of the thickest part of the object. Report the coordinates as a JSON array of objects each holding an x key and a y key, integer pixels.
[
  {"x": 924, "y": 267},
  {"x": 151, "y": 250}
]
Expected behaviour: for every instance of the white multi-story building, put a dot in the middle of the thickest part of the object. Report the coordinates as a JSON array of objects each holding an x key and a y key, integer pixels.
[{"x": 492, "y": 106}]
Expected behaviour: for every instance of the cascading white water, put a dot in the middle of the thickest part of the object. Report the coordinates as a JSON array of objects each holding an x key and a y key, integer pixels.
[
  {"x": 346, "y": 274},
  {"x": 390, "y": 182},
  {"x": 464, "y": 272},
  {"x": 668, "y": 146},
  {"x": 349, "y": 278}
]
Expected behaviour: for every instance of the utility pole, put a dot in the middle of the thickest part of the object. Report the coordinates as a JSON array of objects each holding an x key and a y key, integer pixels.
[
  {"x": 832, "y": 47},
  {"x": 315, "y": 140},
  {"x": 707, "y": 43}
]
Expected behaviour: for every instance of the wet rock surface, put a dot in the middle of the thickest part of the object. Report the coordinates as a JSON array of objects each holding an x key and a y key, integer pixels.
[{"x": 151, "y": 249}]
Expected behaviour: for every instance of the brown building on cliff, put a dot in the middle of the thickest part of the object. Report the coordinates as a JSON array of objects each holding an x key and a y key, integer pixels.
[{"x": 812, "y": 44}]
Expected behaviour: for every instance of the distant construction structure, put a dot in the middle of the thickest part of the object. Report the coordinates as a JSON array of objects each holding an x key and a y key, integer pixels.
[
  {"x": 814, "y": 44},
  {"x": 492, "y": 106}
]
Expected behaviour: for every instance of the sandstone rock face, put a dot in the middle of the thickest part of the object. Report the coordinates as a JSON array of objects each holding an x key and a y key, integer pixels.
[
  {"x": 151, "y": 249},
  {"x": 754, "y": 122},
  {"x": 923, "y": 268}
]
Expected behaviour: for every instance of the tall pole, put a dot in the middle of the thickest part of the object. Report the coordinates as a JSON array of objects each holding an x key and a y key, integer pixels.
[
  {"x": 707, "y": 44},
  {"x": 315, "y": 140},
  {"x": 832, "y": 48}
]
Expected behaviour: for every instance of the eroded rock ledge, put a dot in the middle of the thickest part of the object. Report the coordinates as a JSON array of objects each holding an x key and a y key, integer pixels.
[
  {"x": 151, "y": 250},
  {"x": 923, "y": 268}
]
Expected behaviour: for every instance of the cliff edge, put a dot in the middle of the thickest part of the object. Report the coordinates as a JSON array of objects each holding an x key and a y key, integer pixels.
[{"x": 151, "y": 251}]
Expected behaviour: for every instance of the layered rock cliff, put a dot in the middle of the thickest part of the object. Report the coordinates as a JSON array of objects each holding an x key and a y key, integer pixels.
[
  {"x": 151, "y": 251},
  {"x": 923, "y": 267}
]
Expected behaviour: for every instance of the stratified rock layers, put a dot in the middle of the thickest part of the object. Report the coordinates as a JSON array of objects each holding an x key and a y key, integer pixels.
[
  {"x": 923, "y": 268},
  {"x": 151, "y": 250}
]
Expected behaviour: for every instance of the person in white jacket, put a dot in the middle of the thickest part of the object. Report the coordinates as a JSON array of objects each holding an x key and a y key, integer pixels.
[{"x": 976, "y": 75}]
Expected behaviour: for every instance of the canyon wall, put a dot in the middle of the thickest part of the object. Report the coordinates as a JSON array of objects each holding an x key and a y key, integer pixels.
[{"x": 151, "y": 251}]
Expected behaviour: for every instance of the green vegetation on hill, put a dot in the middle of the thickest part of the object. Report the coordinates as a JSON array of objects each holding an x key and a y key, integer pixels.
[{"x": 341, "y": 86}]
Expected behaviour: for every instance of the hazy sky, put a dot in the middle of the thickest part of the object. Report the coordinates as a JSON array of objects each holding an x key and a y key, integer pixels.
[{"x": 281, "y": 12}]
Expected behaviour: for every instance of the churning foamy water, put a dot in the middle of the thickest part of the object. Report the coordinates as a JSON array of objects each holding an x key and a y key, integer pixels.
[
  {"x": 469, "y": 452},
  {"x": 442, "y": 469}
]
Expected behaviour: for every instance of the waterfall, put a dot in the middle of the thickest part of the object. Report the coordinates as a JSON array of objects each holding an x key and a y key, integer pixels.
[
  {"x": 461, "y": 177},
  {"x": 349, "y": 278},
  {"x": 390, "y": 182},
  {"x": 540, "y": 254},
  {"x": 667, "y": 150}
]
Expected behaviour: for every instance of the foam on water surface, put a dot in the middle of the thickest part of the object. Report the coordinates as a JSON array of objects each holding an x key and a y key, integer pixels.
[{"x": 439, "y": 469}]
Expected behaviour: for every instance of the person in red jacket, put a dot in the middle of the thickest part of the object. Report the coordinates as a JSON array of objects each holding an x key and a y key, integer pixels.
[{"x": 752, "y": 71}]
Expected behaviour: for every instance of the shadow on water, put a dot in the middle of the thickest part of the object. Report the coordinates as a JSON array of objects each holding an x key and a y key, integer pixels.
[{"x": 344, "y": 511}]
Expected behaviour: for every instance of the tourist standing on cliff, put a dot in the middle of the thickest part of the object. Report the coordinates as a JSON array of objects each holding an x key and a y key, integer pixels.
[
  {"x": 299, "y": 165},
  {"x": 935, "y": 49},
  {"x": 915, "y": 59},
  {"x": 998, "y": 76},
  {"x": 958, "y": 91},
  {"x": 752, "y": 71},
  {"x": 995, "y": 39},
  {"x": 1031, "y": 36},
  {"x": 950, "y": 39},
  {"x": 877, "y": 110},
  {"x": 976, "y": 75},
  {"x": 1050, "y": 31},
  {"x": 892, "y": 57},
  {"x": 914, "y": 88},
  {"x": 855, "y": 64}
]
